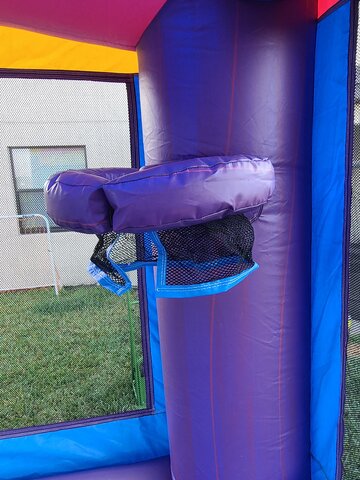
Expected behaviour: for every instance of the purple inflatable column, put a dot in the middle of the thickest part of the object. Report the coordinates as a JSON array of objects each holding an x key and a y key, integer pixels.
[{"x": 223, "y": 77}]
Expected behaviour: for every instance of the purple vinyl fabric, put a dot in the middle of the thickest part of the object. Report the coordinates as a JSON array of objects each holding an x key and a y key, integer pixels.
[
  {"x": 154, "y": 470},
  {"x": 75, "y": 199},
  {"x": 164, "y": 196},
  {"x": 188, "y": 192},
  {"x": 218, "y": 78}
]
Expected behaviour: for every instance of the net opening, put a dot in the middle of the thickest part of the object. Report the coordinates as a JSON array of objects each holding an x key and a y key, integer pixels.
[{"x": 198, "y": 260}]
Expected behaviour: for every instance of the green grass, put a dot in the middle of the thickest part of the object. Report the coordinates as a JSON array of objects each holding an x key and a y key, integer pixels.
[
  {"x": 351, "y": 457},
  {"x": 68, "y": 358},
  {"x": 355, "y": 339},
  {"x": 64, "y": 358}
]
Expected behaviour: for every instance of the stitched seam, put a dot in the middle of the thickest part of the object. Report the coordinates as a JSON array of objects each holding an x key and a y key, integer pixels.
[{"x": 186, "y": 170}]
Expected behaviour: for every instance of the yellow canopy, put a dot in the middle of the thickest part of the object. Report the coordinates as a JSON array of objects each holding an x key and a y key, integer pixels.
[{"x": 23, "y": 49}]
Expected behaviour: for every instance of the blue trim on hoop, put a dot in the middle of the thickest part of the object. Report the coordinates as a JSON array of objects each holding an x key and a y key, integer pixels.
[
  {"x": 197, "y": 290},
  {"x": 106, "y": 282}
]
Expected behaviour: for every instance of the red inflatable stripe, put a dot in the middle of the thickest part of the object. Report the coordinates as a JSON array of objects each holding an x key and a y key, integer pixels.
[{"x": 324, "y": 6}]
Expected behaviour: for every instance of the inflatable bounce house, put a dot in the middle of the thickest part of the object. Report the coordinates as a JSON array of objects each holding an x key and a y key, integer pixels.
[{"x": 234, "y": 210}]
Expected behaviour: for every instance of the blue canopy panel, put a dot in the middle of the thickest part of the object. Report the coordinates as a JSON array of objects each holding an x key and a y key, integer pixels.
[{"x": 328, "y": 239}]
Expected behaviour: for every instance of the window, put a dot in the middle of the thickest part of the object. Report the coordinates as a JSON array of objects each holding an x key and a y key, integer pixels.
[
  {"x": 79, "y": 357},
  {"x": 32, "y": 166}
]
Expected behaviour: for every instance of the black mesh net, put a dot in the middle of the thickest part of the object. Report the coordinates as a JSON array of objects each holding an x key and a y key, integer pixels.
[
  {"x": 121, "y": 252},
  {"x": 191, "y": 255},
  {"x": 209, "y": 251},
  {"x": 132, "y": 249},
  {"x": 351, "y": 457},
  {"x": 100, "y": 259}
]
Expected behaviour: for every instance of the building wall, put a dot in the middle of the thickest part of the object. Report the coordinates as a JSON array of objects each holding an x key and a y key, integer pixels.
[{"x": 53, "y": 113}]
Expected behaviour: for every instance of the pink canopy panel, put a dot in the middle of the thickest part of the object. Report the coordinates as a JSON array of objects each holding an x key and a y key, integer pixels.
[
  {"x": 117, "y": 23},
  {"x": 325, "y": 5}
]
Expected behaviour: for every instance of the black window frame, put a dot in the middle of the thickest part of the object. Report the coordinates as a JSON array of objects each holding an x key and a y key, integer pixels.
[{"x": 25, "y": 230}]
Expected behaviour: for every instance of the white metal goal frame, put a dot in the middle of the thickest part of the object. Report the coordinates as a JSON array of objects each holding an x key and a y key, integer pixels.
[{"x": 49, "y": 243}]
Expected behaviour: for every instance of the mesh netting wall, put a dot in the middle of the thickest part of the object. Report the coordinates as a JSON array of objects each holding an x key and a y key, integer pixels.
[
  {"x": 79, "y": 354},
  {"x": 351, "y": 457}
]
